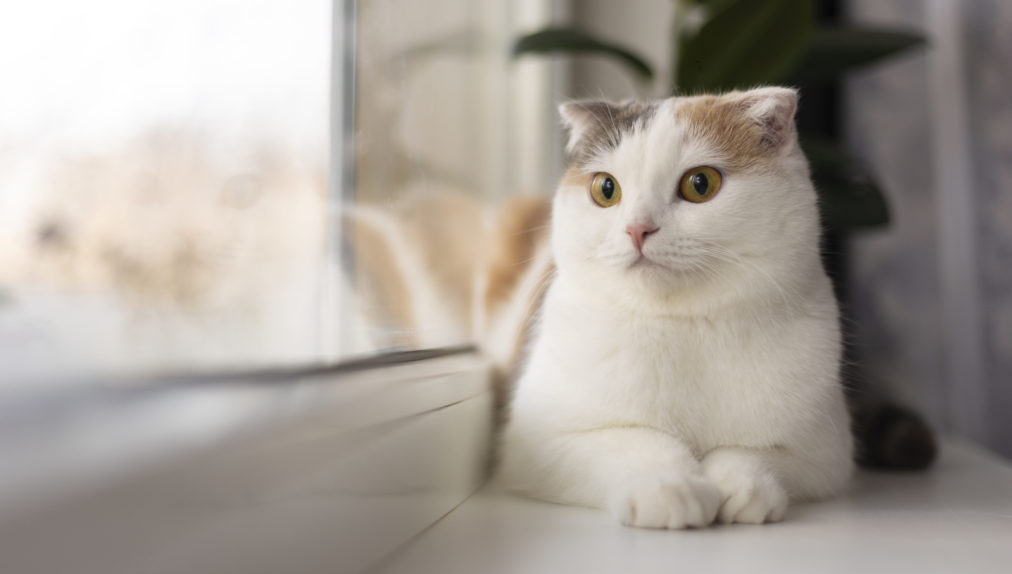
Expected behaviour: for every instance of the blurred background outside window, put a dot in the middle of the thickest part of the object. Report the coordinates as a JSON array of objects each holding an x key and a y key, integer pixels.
[{"x": 163, "y": 170}]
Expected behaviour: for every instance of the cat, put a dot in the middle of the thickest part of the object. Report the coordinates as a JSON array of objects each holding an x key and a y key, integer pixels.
[
  {"x": 439, "y": 267},
  {"x": 685, "y": 365}
]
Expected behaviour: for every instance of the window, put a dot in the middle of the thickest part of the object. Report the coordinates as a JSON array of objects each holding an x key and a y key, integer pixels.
[
  {"x": 174, "y": 177},
  {"x": 209, "y": 223}
]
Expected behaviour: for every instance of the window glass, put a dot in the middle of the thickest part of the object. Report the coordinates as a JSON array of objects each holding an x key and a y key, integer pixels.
[{"x": 163, "y": 170}]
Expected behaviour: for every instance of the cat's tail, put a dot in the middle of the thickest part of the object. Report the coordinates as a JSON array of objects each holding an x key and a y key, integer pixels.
[{"x": 891, "y": 437}]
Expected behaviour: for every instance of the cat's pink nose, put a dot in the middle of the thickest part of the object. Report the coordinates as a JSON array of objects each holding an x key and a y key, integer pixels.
[{"x": 639, "y": 232}]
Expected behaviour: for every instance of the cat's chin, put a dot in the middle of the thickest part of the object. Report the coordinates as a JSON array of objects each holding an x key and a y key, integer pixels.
[
  {"x": 660, "y": 276},
  {"x": 644, "y": 261},
  {"x": 657, "y": 281}
]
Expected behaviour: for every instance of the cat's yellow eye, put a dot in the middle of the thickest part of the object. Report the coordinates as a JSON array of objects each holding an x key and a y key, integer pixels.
[
  {"x": 605, "y": 190},
  {"x": 700, "y": 184}
]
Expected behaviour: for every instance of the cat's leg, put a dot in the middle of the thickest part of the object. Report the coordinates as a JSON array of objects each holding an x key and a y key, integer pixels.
[
  {"x": 750, "y": 490},
  {"x": 644, "y": 477},
  {"x": 756, "y": 484},
  {"x": 814, "y": 460}
]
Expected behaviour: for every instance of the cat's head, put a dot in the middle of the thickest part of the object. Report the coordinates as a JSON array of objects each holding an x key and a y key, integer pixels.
[{"x": 685, "y": 197}]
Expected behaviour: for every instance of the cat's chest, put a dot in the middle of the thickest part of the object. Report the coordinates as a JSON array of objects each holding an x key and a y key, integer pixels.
[
  {"x": 653, "y": 356},
  {"x": 701, "y": 379}
]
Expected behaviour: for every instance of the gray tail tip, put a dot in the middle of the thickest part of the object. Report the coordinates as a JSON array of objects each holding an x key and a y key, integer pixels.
[{"x": 891, "y": 437}]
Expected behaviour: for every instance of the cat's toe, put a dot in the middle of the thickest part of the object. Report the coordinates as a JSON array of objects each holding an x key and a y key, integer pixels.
[
  {"x": 762, "y": 500},
  {"x": 749, "y": 493},
  {"x": 668, "y": 500}
]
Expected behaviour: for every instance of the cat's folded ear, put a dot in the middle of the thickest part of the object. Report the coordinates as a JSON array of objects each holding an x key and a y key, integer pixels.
[
  {"x": 582, "y": 115},
  {"x": 772, "y": 109}
]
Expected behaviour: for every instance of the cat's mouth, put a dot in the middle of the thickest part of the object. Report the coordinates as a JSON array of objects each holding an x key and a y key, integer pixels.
[
  {"x": 663, "y": 266},
  {"x": 644, "y": 262}
]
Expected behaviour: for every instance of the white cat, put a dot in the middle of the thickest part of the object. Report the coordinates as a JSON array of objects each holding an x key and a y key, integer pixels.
[{"x": 684, "y": 367}]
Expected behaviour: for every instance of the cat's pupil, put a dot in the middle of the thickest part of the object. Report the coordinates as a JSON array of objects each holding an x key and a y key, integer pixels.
[
  {"x": 608, "y": 187},
  {"x": 700, "y": 183}
]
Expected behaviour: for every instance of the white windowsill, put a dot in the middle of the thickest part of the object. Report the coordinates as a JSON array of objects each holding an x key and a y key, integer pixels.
[
  {"x": 323, "y": 473},
  {"x": 955, "y": 518}
]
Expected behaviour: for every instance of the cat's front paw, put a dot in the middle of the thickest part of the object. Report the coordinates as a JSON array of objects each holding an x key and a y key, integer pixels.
[
  {"x": 667, "y": 500},
  {"x": 748, "y": 492}
]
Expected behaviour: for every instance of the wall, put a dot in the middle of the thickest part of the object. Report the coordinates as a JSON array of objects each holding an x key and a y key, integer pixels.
[{"x": 643, "y": 26}]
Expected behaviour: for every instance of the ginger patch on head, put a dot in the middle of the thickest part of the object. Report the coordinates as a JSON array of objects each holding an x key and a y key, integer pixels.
[{"x": 747, "y": 127}]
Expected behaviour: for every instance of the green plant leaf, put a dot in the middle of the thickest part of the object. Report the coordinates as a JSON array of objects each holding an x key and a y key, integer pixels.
[
  {"x": 746, "y": 43},
  {"x": 833, "y": 51},
  {"x": 568, "y": 40},
  {"x": 848, "y": 196}
]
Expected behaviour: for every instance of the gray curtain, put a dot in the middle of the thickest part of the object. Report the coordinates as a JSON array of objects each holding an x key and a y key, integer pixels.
[{"x": 933, "y": 292}]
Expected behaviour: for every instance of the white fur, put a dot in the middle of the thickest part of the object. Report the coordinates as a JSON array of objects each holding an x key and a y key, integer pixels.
[{"x": 701, "y": 386}]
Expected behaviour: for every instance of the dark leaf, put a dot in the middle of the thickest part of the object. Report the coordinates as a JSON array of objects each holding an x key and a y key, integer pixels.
[
  {"x": 570, "y": 41},
  {"x": 848, "y": 197},
  {"x": 833, "y": 51},
  {"x": 746, "y": 43}
]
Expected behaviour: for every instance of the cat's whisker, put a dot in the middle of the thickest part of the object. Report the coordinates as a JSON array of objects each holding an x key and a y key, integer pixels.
[
  {"x": 530, "y": 230},
  {"x": 524, "y": 262},
  {"x": 614, "y": 135},
  {"x": 534, "y": 301}
]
